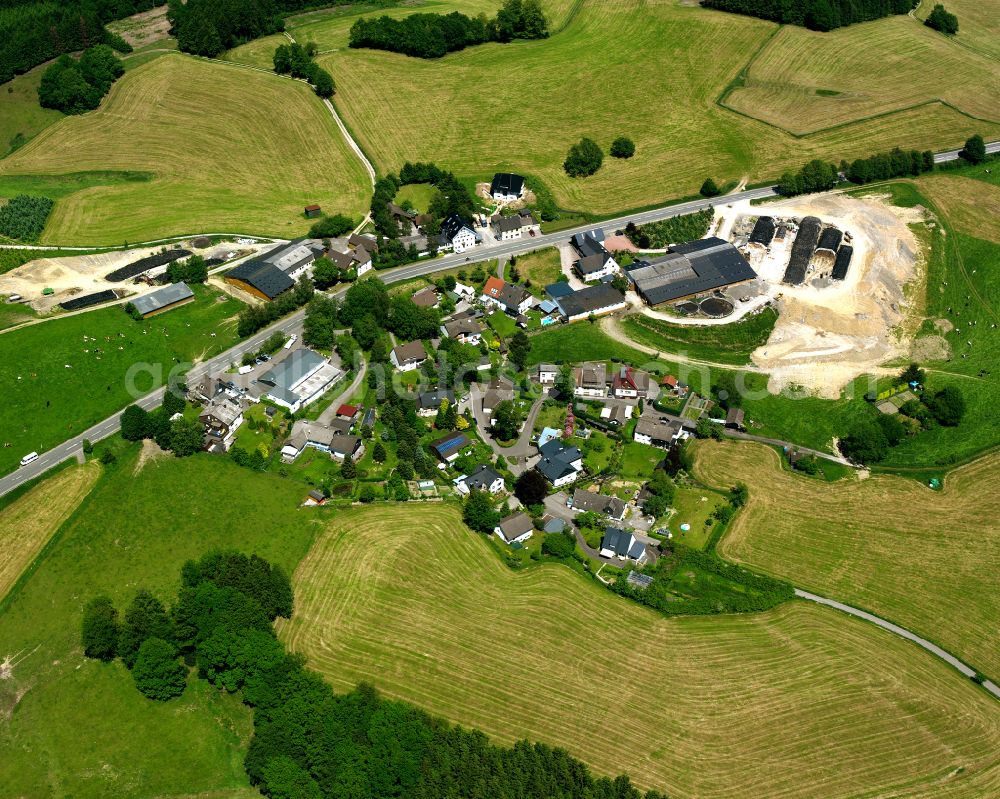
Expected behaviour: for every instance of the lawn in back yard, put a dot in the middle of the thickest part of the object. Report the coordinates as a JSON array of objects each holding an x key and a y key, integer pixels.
[{"x": 63, "y": 375}]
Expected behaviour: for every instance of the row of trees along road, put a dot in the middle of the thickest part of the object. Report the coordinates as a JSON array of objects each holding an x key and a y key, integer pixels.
[{"x": 297, "y": 60}]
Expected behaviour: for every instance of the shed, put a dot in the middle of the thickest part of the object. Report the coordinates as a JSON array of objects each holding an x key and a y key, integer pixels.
[
  {"x": 313, "y": 211},
  {"x": 163, "y": 299}
]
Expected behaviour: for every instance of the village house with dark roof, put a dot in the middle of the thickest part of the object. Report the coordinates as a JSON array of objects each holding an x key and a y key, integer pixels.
[
  {"x": 407, "y": 357},
  {"x": 584, "y": 501},
  {"x": 592, "y": 301},
  {"x": 515, "y": 529},
  {"x": 507, "y": 187},
  {"x": 560, "y": 463},
  {"x": 623, "y": 545}
]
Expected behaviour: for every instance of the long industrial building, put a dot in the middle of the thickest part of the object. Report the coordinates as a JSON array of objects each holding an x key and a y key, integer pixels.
[{"x": 690, "y": 269}]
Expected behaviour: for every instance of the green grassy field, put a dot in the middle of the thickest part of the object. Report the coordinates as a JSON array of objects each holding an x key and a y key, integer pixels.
[
  {"x": 540, "y": 267},
  {"x": 620, "y": 51},
  {"x": 978, "y": 27},
  {"x": 639, "y": 460},
  {"x": 248, "y": 164},
  {"x": 48, "y": 403},
  {"x": 29, "y": 521},
  {"x": 99, "y": 735},
  {"x": 962, "y": 275},
  {"x": 887, "y": 544},
  {"x": 21, "y": 117},
  {"x": 419, "y": 195},
  {"x": 258, "y": 53},
  {"x": 411, "y": 600},
  {"x": 14, "y": 314},
  {"x": 579, "y": 342},
  {"x": 694, "y": 507},
  {"x": 803, "y": 81},
  {"x": 731, "y": 343}
]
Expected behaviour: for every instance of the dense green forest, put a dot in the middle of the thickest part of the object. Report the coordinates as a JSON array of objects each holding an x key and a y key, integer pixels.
[
  {"x": 820, "y": 15},
  {"x": 74, "y": 86},
  {"x": 208, "y": 27},
  {"x": 309, "y": 742},
  {"x": 435, "y": 35},
  {"x": 33, "y": 33}
]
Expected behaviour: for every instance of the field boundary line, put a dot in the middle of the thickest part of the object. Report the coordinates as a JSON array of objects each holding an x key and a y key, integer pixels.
[
  {"x": 56, "y": 536},
  {"x": 739, "y": 79},
  {"x": 902, "y": 632}
]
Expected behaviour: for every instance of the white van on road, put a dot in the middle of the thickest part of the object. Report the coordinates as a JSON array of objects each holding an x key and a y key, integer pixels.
[{"x": 31, "y": 456}]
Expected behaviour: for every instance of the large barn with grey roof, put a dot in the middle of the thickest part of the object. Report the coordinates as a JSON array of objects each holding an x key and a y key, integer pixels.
[{"x": 690, "y": 269}]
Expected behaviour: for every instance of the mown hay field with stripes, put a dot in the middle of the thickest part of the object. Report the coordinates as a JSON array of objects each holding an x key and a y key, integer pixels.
[
  {"x": 803, "y": 81},
  {"x": 230, "y": 149},
  {"x": 978, "y": 23},
  {"x": 971, "y": 206},
  {"x": 798, "y": 702},
  {"x": 28, "y": 523},
  {"x": 921, "y": 558},
  {"x": 653, "y": 71}
]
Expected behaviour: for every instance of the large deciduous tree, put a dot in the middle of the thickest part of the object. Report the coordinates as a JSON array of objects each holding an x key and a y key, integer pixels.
[
  {"x": 157, "y": 672},
  {"x": 531, "y": 487},
  {"x": 100, "y": 629}
]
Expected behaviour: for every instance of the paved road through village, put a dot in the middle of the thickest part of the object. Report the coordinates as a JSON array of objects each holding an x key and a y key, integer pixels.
[{"x": 293, "y": 323}]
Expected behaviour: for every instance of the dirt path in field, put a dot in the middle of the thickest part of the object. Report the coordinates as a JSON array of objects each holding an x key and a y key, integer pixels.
[{"x": 612, "y": 325}]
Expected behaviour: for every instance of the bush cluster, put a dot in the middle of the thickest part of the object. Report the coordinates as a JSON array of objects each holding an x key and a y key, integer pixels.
[
  {"x": 73, "y": 86},
  {"x": 674, "y": 230},
  {"x": 435, "y": 35},
  {"x": 757, "y": 592},
  {"x": 940, "y": 19},
  {"x": 584, "y": 158},
  {"x": 331, "y": 226},
  {"x": 32, "y": 33},
  {"x": 257, "y": 317},
  {"x": 451, "y": 197},
  {"x": 193, "y": 270},
  {"x": 870, "y": 439},
  {"x": 181, "y": 436},
  {"x": 24, "y": 217},
  {"x": 297, "y": 60}
]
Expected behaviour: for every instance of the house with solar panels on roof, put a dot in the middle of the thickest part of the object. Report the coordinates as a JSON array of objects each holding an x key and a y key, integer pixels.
[{"x": 449, "y": 447}]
